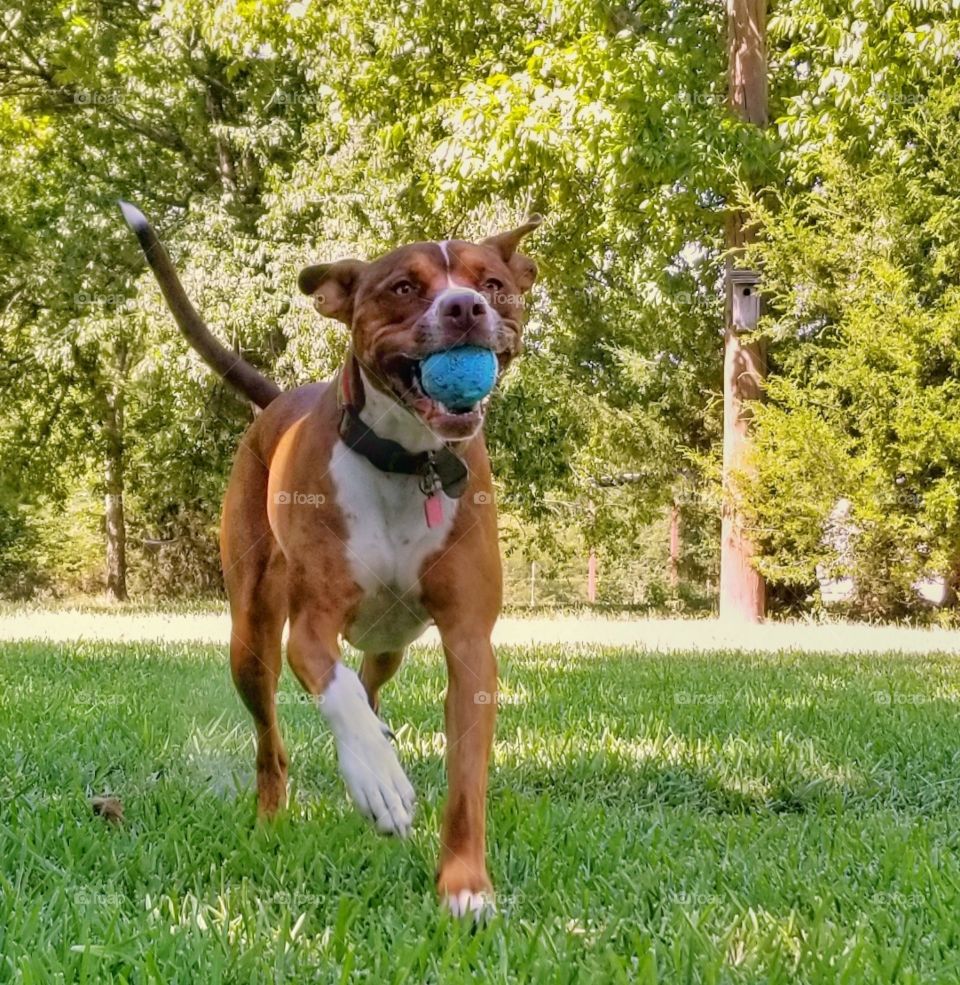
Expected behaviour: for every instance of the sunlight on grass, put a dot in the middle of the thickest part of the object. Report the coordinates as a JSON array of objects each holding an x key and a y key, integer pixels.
[{"x": 681, "y": 818}]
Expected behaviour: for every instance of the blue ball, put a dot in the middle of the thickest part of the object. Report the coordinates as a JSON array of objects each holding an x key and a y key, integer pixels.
[{"x": 459, "y": 377}]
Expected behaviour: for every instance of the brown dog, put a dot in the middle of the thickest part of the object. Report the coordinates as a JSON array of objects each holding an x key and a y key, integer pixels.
[{"x": 361, "y": 508}]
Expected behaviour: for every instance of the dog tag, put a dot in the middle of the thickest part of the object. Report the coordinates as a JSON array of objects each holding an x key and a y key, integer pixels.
[{"x": 433, "y": 510}]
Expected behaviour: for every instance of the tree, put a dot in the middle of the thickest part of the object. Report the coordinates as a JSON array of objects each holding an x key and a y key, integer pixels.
[
  {"x": 596, "y": 114},
  {"x": 865, "y": 308},
  {"x": 263, "y": 136},
  {"x": 96, "y": 102}
]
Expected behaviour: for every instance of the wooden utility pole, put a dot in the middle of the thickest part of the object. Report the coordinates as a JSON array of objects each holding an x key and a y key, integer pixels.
[{"x": 742, "y": 589}]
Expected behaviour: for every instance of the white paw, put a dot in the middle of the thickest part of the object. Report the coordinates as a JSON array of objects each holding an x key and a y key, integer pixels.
[
  {"x": 370, "y": 768},
  {"x": 470, "y": 904},
  {"x": 376, "y": 781}
]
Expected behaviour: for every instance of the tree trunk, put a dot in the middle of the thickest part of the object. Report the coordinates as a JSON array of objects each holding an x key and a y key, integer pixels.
[
  {"x": 951, "y": 593},
  {"x": 742, "y": 588},
  {"x": 225, "y": 169},
  {"x": 592, "y": 577},
  {"x": 673, "y": 569},
  {"x": 113, "y": 500}
]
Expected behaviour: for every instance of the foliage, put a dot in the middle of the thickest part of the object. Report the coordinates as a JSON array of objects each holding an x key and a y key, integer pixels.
[
  {"x": 262, "y": 136},
  {"x": 865, "y": 314},
  {"x": 20, "y": 574}
]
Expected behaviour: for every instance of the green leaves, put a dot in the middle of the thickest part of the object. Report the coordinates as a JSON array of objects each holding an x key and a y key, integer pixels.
[
  {"x": 864, "y": 393},
  {"x": 265, "y": 136}
]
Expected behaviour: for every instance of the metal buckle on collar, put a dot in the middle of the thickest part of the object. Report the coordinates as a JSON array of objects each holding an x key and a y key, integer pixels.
[{"x": 429, "y": 477}]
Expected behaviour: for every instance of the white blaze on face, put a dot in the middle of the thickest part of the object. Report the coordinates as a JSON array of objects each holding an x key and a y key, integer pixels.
[
  {"x": 444, "y": 245},
  {"x": 453, "y": 287}
]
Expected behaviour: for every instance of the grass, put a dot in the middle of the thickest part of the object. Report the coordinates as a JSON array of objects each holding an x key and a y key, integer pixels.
[
  {"x": 709, "y": 818},
  {"x": 101, "y": 605}
]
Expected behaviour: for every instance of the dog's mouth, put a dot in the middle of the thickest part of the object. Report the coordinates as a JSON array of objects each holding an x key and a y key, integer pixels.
[{"x": 402, "y": 373}]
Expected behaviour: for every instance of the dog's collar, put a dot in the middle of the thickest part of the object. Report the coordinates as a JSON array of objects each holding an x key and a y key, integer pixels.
[{"x": 440, "y": 469}]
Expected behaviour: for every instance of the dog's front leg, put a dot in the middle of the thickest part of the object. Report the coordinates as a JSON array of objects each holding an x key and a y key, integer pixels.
[
  {"x": 368, "y": 761},
  {"x": 471, "y": 711}
]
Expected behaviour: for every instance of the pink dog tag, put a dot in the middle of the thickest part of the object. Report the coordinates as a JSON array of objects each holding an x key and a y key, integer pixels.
[{"x": 433, "y": 510}]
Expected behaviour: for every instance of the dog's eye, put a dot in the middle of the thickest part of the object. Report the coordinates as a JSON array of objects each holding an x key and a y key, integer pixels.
[
  {"x": 402, "y": 287},
  {"x": 492, "y": 284}
]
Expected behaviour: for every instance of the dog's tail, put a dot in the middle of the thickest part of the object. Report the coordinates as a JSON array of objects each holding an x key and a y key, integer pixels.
[{"x": 229, "y": 365}]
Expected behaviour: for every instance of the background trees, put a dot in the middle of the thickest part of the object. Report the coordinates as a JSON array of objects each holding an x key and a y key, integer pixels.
[
  {"x": 859, "y": 249},
  {"x": 262, "y": 136}
]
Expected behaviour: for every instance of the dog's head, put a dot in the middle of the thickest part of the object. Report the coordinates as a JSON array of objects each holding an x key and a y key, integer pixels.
[{"x": 421, "y": 299}]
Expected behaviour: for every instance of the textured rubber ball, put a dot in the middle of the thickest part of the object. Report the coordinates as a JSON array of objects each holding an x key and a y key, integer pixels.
[{"x": 459, "y": 377}]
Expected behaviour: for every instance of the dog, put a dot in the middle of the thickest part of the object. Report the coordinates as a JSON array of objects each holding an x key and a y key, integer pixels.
[{"x": 361, "y": 508}]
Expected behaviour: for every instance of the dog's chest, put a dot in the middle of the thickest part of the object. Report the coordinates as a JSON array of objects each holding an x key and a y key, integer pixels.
[{"x": 387, "y": 545}]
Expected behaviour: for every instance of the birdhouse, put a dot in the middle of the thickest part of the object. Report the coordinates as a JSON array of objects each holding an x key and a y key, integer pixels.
[{"x": 743, "y": 286}]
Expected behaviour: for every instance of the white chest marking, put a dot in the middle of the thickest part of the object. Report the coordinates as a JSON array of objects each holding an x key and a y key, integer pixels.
[{"x": 387, "y": 543}]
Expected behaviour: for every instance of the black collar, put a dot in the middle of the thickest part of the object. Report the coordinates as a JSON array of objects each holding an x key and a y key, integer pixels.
[{"x": 437, "y": 469}]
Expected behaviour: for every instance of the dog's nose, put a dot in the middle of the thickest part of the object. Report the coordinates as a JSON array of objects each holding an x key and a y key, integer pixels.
[{"x": 459, "y": 311}]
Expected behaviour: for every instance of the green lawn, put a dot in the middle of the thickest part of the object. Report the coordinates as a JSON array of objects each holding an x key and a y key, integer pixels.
[{"x": 718, "y": 818}]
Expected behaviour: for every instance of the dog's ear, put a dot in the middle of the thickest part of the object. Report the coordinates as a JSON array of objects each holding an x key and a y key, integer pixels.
[
  {"x": 524, "y": 270},
  {"x": 332, "y": 287}
]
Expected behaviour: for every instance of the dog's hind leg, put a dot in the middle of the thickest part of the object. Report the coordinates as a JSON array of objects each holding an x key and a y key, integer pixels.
[
  {"x": 375, "y": 671},
  {"x": 255, "y": 661},
  {"x": 255, "y": 575}
]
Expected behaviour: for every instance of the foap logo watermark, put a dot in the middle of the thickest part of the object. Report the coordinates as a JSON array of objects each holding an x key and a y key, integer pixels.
[
  {"x": 483, "y": 498},
  {"x": 701, "y": 98},
  {"x": 698, "y": 698},
  {"x": 902, "y": 901},
  {"x": 98, "y": 97},
  {"x": 283, "y": 304},
  {"x": 283, "y": 98},
  {"x": 498, "y": 698},
  {"x": 294, "y": 497},
  {"x": 684, "y": 898},
  {"x": 298, "y": 698},
  {"x": 514, "y": 300},
  {"x": 294, "y": 901},
  {"x": 148, "y": 304},
  {"x": 90, "y": 897},
  {"x": 95, "y": 699},
  {"x": 85, "y": 299},
  {"x": 902, "y": 498},
  {"x": 891, "y": 698}
]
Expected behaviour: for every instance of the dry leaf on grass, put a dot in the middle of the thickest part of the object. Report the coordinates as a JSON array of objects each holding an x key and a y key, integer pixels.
[{"x": 109, "y": 808}]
